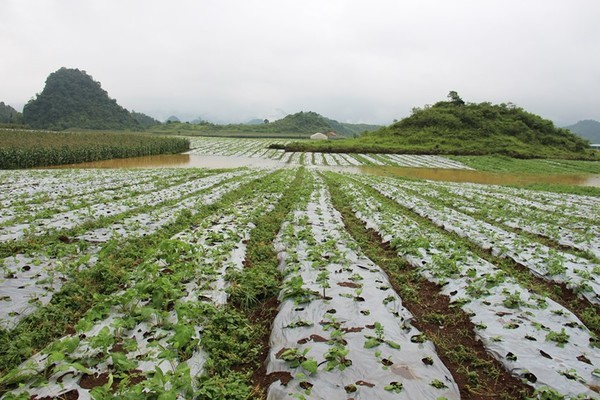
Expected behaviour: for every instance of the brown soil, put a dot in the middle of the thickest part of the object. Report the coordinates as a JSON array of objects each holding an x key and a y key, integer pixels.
[
  {"x": 70, "y": 395},
  {"x": 264, "y": 316},
  {"x": 92, "y": 381},
  {"x": 457, "y": 332}
]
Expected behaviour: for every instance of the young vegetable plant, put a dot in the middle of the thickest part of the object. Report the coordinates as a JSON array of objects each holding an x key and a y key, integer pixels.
[
  {"x": 336, "y": 358},
  {"x": 379, "y": 338},
  {"x": 296, "y": 358}
]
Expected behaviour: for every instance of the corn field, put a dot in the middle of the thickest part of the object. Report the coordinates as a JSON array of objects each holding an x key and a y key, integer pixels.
[{"x": 27, "y": 149}]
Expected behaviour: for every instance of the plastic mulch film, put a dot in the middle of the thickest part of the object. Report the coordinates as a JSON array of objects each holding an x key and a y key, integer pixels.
[
  {"x": 152, "y": 329},
  {"x": 550, "y": 264},
  {"x": 341, "y": 331},
  {"x": 535, "y": 338}
]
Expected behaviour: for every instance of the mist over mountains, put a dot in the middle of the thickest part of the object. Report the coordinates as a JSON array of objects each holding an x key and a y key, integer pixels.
[{"x": 587, "y": 128}]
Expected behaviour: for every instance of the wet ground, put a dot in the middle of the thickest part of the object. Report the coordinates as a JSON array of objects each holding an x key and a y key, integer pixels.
[{"x": 437, "y": 174}]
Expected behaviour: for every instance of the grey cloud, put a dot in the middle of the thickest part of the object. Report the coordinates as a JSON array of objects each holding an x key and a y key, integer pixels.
[{"x": 347, "y": 59}]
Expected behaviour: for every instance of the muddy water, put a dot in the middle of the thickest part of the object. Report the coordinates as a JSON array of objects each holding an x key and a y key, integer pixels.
[
  {"x": 437, "y": 174},
  {"x": 179, "y": 161},
  {"x": 457, "y": 175}
]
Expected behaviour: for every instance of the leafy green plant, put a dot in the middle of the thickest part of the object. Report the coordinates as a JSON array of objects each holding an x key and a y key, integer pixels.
[
  {"x": 560, "y": 338},
  {"x": 374, "y": 341},
  {"x": 296, "y": 358},
  {"x": 336, "y": 358}
]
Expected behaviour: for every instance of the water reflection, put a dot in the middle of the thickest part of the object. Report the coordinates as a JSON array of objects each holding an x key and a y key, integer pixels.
[{"x": 437, "y": 174}]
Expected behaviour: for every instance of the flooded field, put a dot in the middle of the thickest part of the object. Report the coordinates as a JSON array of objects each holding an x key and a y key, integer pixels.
[
  {"x": 178, "y": 161},
  {"x": 435, "y": 174},
  {"x": 490, "y": 178}
]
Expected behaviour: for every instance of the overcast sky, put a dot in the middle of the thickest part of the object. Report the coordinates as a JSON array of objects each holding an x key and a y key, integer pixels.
[{"x": 351, "y": 60}]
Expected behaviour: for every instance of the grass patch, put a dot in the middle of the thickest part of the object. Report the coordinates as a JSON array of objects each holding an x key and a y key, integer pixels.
[{"x": 529, "y": 166}]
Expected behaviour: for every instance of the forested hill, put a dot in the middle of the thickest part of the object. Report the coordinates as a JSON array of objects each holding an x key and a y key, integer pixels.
[
  {"x": 311, "y": 122},
  {"x": 9, "y": 114},
  {"x": 301, "y": 123},
  {"x": 588, "y": 129},
  {"x": 481, "y": 128},
  {"x": 72, "y": 99}
]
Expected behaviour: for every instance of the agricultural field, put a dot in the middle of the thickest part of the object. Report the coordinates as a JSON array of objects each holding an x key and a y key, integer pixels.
[
  {"x": 21, "y": 148},
  {"x": 259, "y": 148},
  {"x": 293, "y": 283}
]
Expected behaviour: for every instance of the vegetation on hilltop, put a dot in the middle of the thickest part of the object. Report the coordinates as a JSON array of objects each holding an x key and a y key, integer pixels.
[
  {"x": 588, "y": 129},
  {"x": 302, "y": 124},
  {"x": 72, "y": 99},
  {"x": 9, "y": 115},
  {"x": 143, "y": 120},
  {"x": 456, "y": 127},
  {"x": 27, "y": 149}
]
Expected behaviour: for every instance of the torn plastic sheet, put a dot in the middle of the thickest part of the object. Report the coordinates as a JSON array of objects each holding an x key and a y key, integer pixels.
[
  {"x": 535, "y": 338},
  {"x": 387, "y": 358}
]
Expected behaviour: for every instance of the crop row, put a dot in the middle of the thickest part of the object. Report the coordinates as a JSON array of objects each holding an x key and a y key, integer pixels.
[
  {"x": 341, "y": 329},
  {"x": 163, "y": 325},
  {"x": 27, "y": 149},
  {"x": 96, "y": 206},
  {"x": 30, "y": 279},
  {"x": 534, "y": 337},
  {"x": 258, "y": 148},
  {"x": 569, "y": 227},
  {"x": 146, "y": 337},
  {"x": 79, "y": 194},
  {"x": 576, "y": 272},
  {"x": 149, "y": 331}
]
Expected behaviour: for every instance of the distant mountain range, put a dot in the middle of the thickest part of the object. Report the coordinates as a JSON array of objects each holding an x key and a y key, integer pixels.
[{"x": 588, "y": 129}]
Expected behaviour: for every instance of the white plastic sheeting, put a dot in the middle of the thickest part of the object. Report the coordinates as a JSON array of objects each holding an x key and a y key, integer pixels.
[
  {"x": 554, "y": 265},
  {"x": 255, "y": 148},
  {"x": 191, "y": 267},
  {"x": 346, "y": 320},
  {"x": 72, "y": 218},
  {"x": 29, "y": 281},
  {"x": 573, "y": 231},
  {"x": 535, "y": 338},
  {"x": 45, "y": 192}
]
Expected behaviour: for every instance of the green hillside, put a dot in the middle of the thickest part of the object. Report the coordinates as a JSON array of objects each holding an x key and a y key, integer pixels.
[
  {"x": 301, "y": 124},
  {"x": 588, "y": 129},
  {"x": 72, "y": 99},
  {"x": 456, "y": 127},
  {"x": 9, "y": 115}
]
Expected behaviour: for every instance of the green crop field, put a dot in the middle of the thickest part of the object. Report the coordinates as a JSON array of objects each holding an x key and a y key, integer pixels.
[
  {"x": 293, "y": 283},
  {"x": 26, "y": 149}
]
